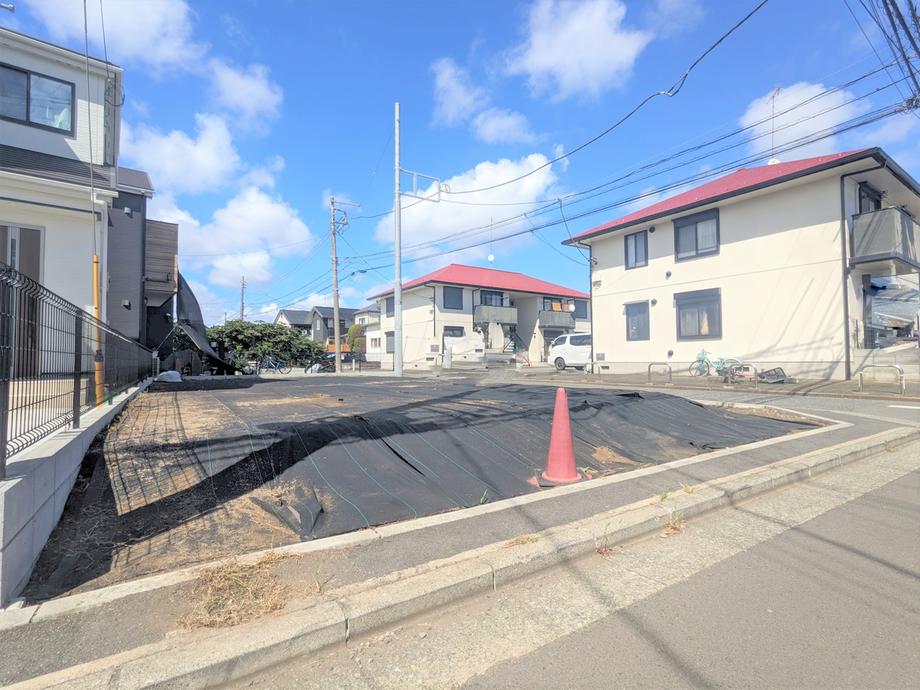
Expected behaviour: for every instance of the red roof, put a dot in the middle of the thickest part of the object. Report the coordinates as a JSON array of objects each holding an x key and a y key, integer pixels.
[
  {"x": 738, "y": 182},
  {"x": 491, "y": 279}
]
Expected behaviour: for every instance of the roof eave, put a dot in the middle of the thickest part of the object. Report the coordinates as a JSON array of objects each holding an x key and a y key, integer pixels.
[{"x": 876, "y": 153}]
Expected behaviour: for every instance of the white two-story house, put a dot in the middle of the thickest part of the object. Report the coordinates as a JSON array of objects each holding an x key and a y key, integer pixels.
[
  {"x": 63, "y": 197},
  {"x": 478, "y": 314},
  {"x": 774, "y": 265}
]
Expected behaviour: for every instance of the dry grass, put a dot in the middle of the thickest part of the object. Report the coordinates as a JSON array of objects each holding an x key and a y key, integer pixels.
[
  {"x": 607, "y": 456},
  {"x": 236, "y": 592},
  {"x": 522, "y": 539},
  {"x": 687, "y": 488},
  {"x": 673, "y": 526},
  {"x": 663, "y": 496}
]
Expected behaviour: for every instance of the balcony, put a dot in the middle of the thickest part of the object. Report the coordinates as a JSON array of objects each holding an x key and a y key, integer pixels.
[
  {"x": 484, "y": 313},
  {"x": 557, "y": 319},
  {"x": 886, "y": 242}
]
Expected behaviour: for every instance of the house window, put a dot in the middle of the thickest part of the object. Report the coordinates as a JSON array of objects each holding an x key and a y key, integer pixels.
[
  {"x": 375, "y": 343},
  {"x": 581, "y": 309},
  {"x": 37, "y": 100},
  {"x": 491, "y": 298},
  {"x": 870, "y": 199},
  {"x": 453, "y": 298},
  {"x": 636, "y": 246},
  {"x": 390, "y": 302},
  {"x": 453, "y": 331},
  {"x": 696, "y": 235},
  {"x": 637, "y": 321},
  {"x": 699, "y": 314},
  {"x": 391, "y": 347}
]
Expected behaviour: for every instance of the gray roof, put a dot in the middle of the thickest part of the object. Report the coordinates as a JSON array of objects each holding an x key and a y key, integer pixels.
[
  {"x": 326, "y": 312},
  {"x": 130, "y": 179},
  {"x": 373, "y": 308},
  {"x": 296, "y": 317},
  {"x": 58, "y": 168}
]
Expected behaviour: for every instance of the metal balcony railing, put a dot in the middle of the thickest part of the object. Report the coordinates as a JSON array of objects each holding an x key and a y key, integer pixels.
[{"x": 887, "y": 235}]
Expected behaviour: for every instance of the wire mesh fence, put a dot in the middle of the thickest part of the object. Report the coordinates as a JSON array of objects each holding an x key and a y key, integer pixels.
[{"x": 56, "y": 362}]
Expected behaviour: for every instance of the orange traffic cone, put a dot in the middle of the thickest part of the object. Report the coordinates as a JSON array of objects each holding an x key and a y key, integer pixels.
[{"x": 560, "y": 461}]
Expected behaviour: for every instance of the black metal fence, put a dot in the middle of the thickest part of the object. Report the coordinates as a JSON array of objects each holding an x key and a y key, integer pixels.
[{"x": 56, "y": 362}]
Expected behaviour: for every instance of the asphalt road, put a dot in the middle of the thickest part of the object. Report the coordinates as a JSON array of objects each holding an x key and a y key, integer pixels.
[{"x": 833, "y": 602}]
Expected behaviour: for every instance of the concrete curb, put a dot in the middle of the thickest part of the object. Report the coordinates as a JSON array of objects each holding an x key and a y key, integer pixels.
[{"x": 203, "y": 659}]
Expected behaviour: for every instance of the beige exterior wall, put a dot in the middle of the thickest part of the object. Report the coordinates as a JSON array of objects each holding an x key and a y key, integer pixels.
[
  {"x": 424, "y": 319},
  {"x": 779, "y": 272}
]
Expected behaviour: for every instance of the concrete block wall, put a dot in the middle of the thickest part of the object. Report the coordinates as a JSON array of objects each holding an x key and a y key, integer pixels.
[{"x": 32, "y": 498}]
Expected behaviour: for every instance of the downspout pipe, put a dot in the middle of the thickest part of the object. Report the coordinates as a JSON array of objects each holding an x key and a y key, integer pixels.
[
  {"x": 594, "y": 369},
  {"x": 845, "y": 265}
]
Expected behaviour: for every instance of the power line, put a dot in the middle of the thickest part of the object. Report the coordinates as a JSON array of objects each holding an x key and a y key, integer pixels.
[
  {"x": 629, "y": 177},
  {"x": 670, "y": 93}
]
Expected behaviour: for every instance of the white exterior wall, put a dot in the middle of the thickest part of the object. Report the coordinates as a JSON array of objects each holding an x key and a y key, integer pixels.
[
  {"x": 779, "y": 272},
  {"x": 67, "y": 240},
  {"x": 89, "y": 108}
]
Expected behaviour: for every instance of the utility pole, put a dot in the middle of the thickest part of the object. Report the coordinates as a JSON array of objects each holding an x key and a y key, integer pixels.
[
  {"x": 335, "y": 289},
  {"x": 397, "y": 241},
  {"x": 242, "y": 297}
]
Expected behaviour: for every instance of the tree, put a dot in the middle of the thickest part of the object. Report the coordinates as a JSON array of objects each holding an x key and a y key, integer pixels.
[
  {"x": 254, "y": 340},
  {"x": 355, "y": 338}
]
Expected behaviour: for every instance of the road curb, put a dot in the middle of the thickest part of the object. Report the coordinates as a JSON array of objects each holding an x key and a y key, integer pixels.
[{"x": 202, "y": 659}]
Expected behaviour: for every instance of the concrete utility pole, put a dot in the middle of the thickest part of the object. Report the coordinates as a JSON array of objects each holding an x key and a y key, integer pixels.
[
  {"x": 397, "y": 241},
  {"x": 242, "y": 297},
  {"x": 335, "y": 289}
]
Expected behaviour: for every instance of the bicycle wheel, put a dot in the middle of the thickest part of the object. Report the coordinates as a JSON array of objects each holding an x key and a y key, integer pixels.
[
  {"x": 284, "y": 368},
  {"x": 699, "y": 368},
  {"x": 728, "y": 365}
]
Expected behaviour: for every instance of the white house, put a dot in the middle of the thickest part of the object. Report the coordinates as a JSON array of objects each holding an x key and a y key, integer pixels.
[
  {"x": 773, "y": 265},
  {"x": 479, "y": 314},
  {"x": 58, "y": 139}
]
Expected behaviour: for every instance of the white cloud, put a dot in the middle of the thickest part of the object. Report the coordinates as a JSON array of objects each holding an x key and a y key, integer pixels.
[
  {"x": 252, "y": 227},
  {"x": 500, "y": 126},
  {"x": 264, "y": 176},
  {"x": 212, "y": 306},
  {"x": 249, "y": 94},
  {"x": 804, "y": 121},
  {"x": 436, "y": 222},
  {"x": 576, "y": 48},
  {"x": 671, "y": 17},
  {"x": 456, "y": 98},
  {"x": 179, "y": 163},
  {"x": 227, "y": 270},
  {"x": 157, "y": 33}
]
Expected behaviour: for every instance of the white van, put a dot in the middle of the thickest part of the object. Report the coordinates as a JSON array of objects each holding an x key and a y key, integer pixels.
[{"x": 571, "y": 350}]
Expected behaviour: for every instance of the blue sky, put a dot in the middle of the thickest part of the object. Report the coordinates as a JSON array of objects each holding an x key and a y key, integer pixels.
[{"x": 249, "y": 113}]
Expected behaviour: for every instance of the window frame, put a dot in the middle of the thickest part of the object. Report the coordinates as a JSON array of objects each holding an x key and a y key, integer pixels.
[
  {"x": 444, "y": 294},
  {"x": 389, "y": 306},
  {"x": 695, "y": 219},
  {"x": 27, "y": 122},
  {"x": 575, "y": 312},
  {"x": 462, "y": 332},
  {"x": 501, "y": 298},
  {"x": 697, "y": 298},
  {"x": 389, "y": 342},
  {"x": 870, "y": 192},
  {"x": 644, "y": 234},
  {"x": 648, "y": 321}
]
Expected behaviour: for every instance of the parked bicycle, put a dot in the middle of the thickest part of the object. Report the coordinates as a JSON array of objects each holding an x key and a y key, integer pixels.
[
  {"x": 703, "y": 365},
  {"x": 270, "y": 363}
]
